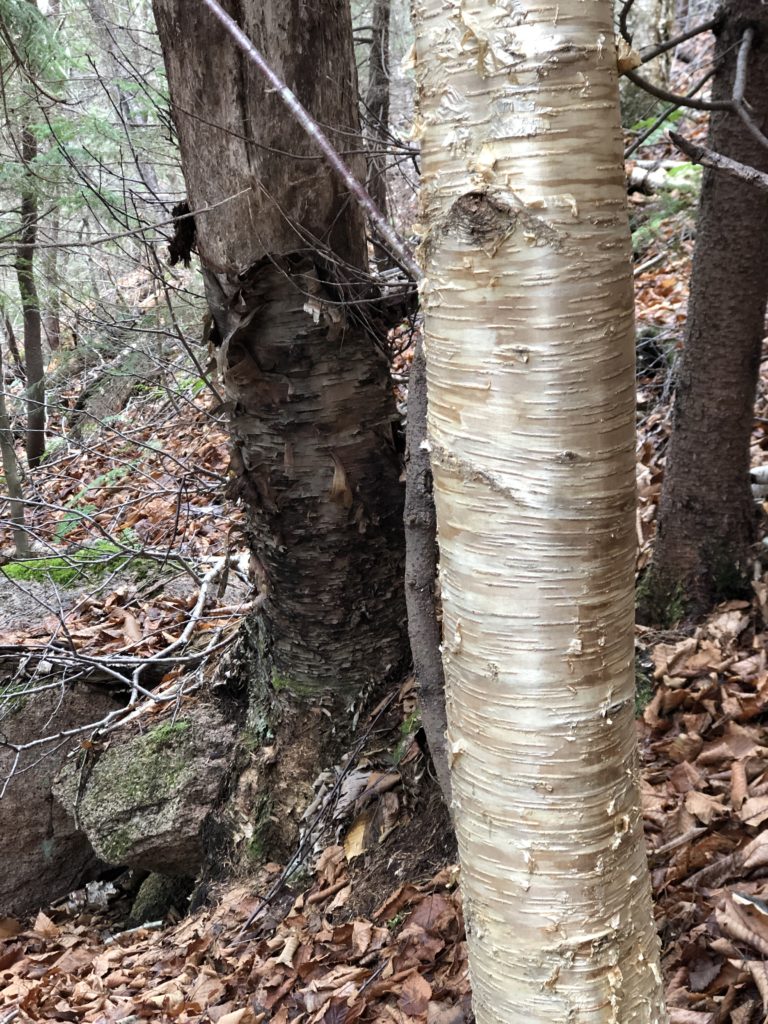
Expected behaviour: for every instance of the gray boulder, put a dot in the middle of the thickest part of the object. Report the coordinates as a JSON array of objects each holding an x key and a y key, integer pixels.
[
  {"x": 42, "y": 853},
  {"x": 148, "y": 796}
]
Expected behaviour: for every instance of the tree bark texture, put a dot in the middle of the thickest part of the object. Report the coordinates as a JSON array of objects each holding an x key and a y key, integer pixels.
[
  {"x": 530, "y": 368},
  {"x": 377, "y": 104},
  {"x": 311, "y": 406},
  {"x": 12, "y": 474},
  {"x": 707, "y": 516},
  {"x": 421, "y": 574},
  {"x": 30, "y": 304}
]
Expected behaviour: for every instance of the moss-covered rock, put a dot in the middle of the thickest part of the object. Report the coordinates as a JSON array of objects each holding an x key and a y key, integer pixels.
[
  {"x": 158, "y": 895},
  {"x": 145, "y": 801}
]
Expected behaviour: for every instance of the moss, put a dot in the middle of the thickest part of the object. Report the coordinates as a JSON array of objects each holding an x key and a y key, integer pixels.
[
  {"x": 158, "y": 895},
  {"x": 168, "y": 731},
  {"x": 659, "y": 603},
  {"x": 643, "y": 690},
  {"x": 90, "y": 563},
  {"x": 259, "y": 843},
  {"x": 66, "y": 571},
  {"x": 151, "y": 771},
  {"x": 285, "y": 684},
  {"x": 408, "y": 727},
  {"x": 13, "y": 697}
]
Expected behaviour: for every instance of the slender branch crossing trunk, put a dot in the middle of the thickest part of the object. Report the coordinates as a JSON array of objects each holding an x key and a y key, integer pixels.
[
  {"x": 30, "y": 303},
  {"x": 530, "y": 363},
  {"x": 707, "y": 516},
  {"x": 284, "y": 267}
]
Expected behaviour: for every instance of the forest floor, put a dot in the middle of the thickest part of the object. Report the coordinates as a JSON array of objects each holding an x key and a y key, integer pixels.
[{"x": 373, "y": 928}]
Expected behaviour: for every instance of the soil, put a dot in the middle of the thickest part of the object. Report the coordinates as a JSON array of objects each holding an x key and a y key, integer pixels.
[{"x": 420, "y": 845}]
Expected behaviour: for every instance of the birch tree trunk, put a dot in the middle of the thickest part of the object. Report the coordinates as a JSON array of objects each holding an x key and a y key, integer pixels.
[
  {"x": 529, "y": 336},
  {"x": 285, "y": 266}
]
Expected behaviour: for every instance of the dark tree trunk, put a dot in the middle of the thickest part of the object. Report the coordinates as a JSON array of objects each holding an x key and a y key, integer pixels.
[
  {"x": 707, "y": 516},
  {"x": 377, "y": 104},
  {"x": 33, "y": 340},
  {"x": 13, "y": 344},
  {"x": 311, "y": 404},
  {"x": 421, "y": 575}
]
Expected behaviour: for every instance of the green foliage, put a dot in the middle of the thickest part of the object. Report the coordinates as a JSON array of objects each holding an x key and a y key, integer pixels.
[
  {"x": 658, "y": 134},
  {"x": 65, "y": 571},
  {"x": 28, "y": 32},
  {"x": 654, "y": 222},
  {"x": 81, "y": 508},
  {"x": 408, "y": 727},
  {"x": 659, "y": 602},
  {"x": 168, "y": 731},
  {"x": 643, "y": 690}
]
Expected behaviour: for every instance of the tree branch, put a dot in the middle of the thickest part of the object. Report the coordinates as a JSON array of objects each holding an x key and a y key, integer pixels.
[
  {"x": 672, "y": 97},
  {"x": 649, "y": 52},
  {"x": 708, "y": 158}
]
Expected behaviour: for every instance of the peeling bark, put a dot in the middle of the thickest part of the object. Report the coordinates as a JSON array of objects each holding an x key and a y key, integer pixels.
[
  {"x": 284, "y": 266},
  {"x": 529, "y": 340}
]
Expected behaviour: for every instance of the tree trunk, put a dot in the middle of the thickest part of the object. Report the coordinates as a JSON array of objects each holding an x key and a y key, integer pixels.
[
  {"x": 530, "y": 367},
  {"x": 12, "y": 474},
  {"x": 25, "y": 275},
  {"x": 377, "y": 104},
  {"x": 311, "y": 404},
  {"x": 707, "y": 517},
  {"x": 421, "y": 574}
]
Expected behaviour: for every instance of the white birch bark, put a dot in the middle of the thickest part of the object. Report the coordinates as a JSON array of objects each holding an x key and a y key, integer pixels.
[{"x": 529, "y": 334}]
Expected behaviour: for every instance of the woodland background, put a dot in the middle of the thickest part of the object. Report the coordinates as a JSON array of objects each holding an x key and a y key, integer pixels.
[{"x": 127, "y": 573}]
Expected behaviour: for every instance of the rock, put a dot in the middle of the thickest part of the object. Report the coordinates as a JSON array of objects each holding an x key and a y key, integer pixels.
[
  {"x": 148, "y": 796},
  {"x": 43, "y": 855},
  {"x": 157, "y": 896}
]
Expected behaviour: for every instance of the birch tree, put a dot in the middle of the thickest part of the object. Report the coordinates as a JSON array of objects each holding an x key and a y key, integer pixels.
[
  {"x": 311, "y": 408},
  {"x": 529, "y": 339}
]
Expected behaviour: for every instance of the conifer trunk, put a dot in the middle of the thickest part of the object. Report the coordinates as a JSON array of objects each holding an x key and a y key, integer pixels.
[{"x": 707, "y": 515}]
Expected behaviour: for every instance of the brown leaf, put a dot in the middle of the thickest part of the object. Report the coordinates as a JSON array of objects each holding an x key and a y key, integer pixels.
[
  {"x": 415, "y": 995},
  {"x": 9, "y": 927},
  {"x": 754, "y": 811},
  {"x": 44, "y": 927},
  {"x": 705, "y": 808}
]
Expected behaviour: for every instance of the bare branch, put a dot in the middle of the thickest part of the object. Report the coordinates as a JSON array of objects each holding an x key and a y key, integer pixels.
[
  {"x": 708, "y": 158},
  {"x": 671, "y": 97},
  {"x": 664, "y": 115},
  {"x": 623, "y": 15},
  {"x": 740, "y": 86},
  {"x": 650, "y": 52}
]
